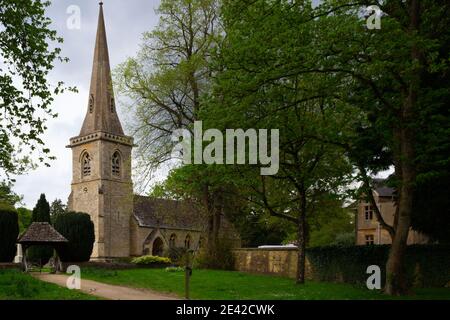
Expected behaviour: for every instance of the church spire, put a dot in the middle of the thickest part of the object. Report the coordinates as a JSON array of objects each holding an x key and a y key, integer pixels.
[{"x": 101, "y": 114}]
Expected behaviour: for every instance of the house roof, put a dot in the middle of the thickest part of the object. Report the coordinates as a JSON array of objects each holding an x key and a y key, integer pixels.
[
  {"x": 385, "y": 192},
  {"x": 382, "y": 190},
  {"x": 169, "y": 214},
  {"x": 41, "y": 232}
]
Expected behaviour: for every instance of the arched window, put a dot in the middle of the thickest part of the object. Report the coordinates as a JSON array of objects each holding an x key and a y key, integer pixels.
[
  {"x": 187, "y": 242},
  {"x": 86, "y": 165},
  {"x": 172, "y": 240},
  {"x": 116, "y": 164}
]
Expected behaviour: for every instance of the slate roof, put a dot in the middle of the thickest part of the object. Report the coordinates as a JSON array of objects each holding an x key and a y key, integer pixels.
[
  {"x": 168, "y": 214},
  {"x": 41, "y": 232},
  {"x": 382, "y": 190}
]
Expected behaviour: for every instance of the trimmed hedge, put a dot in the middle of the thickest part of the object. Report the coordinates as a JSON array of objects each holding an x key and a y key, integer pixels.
[
  {"x": 427, "y": 265},
  {"x": 78, "y": 229},
  {"x": 9, "y": 230}
]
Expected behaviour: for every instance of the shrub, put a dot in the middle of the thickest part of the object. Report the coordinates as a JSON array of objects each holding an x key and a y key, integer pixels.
[
  {"x": 174, "y": 269},
  {"x": 9, "y": 230},
  {"x": 222, "y": 259},
  {"x": 78, "y": 229},
  {"x": 427, "y": 265},
  {"x": 148, "y": 260}
]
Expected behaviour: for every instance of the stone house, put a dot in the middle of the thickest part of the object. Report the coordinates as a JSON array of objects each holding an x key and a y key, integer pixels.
[{"x": 368, "y": 230}]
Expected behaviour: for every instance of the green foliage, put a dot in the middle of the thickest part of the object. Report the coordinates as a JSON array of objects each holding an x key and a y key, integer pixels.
[
  {"x": 41, "y": 213},
  {"x": 221, "y": 259},
  {"x": 28, "y": 51},
  {"x": 174, "y": 269},
  {"x": 78, "y": 229},
  {"x": 8, "y": 196},
  {"x": 149, "y": 260},
  {"x": 427, "y": 265},
  {"x": 9, "y": 230},
  {"x": 259, "y": 228},
  {"x": 56, "y": 208},
  {"x": 331, "y": 224},
  {"x": 25, "y": 218}
]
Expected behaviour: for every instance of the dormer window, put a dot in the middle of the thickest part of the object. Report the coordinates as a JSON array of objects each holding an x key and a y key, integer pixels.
[
  {"x": 86, "y": 165},
  {"x": 116, "y": 161}
]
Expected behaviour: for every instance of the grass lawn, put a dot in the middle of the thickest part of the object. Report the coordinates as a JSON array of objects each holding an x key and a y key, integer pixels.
[
  {"x": 16, "y": 285},
  {"x": 231, "y": 285}
]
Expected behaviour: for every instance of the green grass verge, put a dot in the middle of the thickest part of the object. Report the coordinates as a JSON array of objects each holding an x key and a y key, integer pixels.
[
  {"x": 214, "y": 284},
  {"x": 16, "y": 285}
]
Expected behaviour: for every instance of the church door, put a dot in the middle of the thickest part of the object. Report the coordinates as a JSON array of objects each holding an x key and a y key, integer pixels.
[{"x": 158, "y": 247}]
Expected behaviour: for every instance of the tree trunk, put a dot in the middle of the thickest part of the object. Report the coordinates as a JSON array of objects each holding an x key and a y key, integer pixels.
[
  {"x": 396, "y": 283},
  {"x": 301, "y": 242}
]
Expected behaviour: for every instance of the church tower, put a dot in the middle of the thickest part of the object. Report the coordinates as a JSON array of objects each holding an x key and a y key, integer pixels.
[{"x": 101, "y": 162}]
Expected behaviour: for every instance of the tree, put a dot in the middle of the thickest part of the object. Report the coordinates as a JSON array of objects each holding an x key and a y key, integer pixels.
[
  {"x": 401, "y": 76},
  {"x": 25, "y": 218},
  {"x": 388, "y": 82},
  {"x": 255, "y": 88},
  {"x": 7, "y": 196},
  {"x": 78, "y": 229},
  {"x": 167, "y": 78},
  {"x": 9, "y": 230},
  {"x": 166, "y": 82},
  {"x": 28, "y": 52},
  {"x": 56, "y": 208},
  {"x": 41, "y": 213}
]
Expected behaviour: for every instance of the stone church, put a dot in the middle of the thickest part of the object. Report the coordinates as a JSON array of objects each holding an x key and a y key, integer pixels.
[{"x": 125, "y": 224}]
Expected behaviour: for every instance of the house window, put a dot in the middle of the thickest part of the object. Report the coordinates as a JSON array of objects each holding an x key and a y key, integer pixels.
[
  {"x": 368, "y": 212},
  {"x": 172, "y": 240},
  {"x": 187, "y": 242},
  {"x": 370, "y": 239},
  {"x": 86, "y": 165},
  {"x": 116, "y": 164}
]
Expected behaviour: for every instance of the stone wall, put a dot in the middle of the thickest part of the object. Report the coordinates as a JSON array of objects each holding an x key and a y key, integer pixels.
[{"x": 277, "y": 261}]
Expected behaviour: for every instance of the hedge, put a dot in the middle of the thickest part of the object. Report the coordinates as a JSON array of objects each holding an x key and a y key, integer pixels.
[
  {"x": 78, "y": 229},
  {"x": 148, "y": 260},
  {"x": 9, "y": 230},
  {"x": 427, "y": 265}
]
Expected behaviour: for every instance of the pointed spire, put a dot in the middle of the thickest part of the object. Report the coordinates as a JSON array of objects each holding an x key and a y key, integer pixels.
[{"x": 101, "y": 114}]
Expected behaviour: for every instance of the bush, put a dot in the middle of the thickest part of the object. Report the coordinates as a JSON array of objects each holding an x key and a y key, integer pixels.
[
  {"x": 427, "y": 265},
  {"x": 148, "y": 260},
  {"x": 9, "y": 230},
  {"x": 78, "y": 229},
  {"x": 222, "y": 259},
  {"x": 174, "y": 269}
]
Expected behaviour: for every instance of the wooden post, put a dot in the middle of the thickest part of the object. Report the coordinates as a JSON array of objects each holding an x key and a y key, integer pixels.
[
  {"x": 188, "y": 273},
  {"x": 24, "y": 258}
]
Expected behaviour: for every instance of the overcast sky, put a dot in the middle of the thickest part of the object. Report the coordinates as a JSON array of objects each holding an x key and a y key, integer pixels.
[{"x": 125, "y": 22}]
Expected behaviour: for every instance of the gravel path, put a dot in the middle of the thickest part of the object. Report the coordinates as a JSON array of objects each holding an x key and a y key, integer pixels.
[{"x": 106, "y": 291}]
